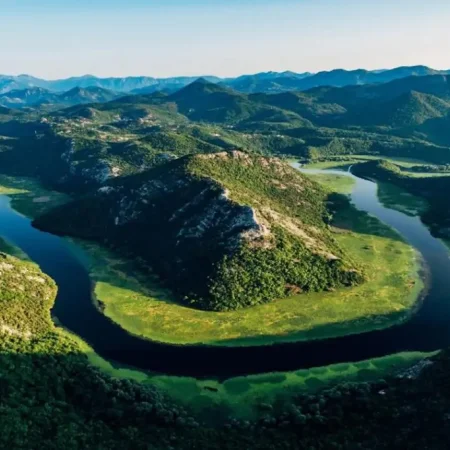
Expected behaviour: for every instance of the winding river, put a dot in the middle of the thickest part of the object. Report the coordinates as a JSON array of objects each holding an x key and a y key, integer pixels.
[{"x": 428, "y": 330}]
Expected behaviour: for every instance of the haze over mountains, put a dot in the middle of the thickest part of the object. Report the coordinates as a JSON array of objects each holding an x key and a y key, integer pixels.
[
  {"x": 38, "y": 96},
  {"x": 261, "y": 82}
]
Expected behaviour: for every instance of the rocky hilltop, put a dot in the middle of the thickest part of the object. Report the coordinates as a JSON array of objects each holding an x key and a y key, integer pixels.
[{"x": 224, "y": 230}]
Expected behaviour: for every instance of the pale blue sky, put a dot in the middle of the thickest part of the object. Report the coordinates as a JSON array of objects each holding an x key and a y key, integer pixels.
[{"x": 60, "y": 38}]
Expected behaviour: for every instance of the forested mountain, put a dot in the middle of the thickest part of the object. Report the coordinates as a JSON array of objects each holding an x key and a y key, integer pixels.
[
  {"x": 410, "y": 109},
  {"x": 35, "y": 97},
  {"x": 260, "y": 82},
  {"x": 437, "y": 85},
  {"x": 93, "y": 142},
  {"x": 205, "y": 101},
  {"x": 225, "y": 230}
]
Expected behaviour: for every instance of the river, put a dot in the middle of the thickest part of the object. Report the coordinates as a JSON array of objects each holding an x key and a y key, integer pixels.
[{"x": 428, "y": 329}]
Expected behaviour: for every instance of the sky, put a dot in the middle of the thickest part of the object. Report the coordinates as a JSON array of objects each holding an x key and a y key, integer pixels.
[{"x": 61, "y": 38}]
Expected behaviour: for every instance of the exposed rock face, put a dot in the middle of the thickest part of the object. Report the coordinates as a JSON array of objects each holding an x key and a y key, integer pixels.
[
  {"x": 209, "y": 211},
  {"x": 98, "y": 173}
]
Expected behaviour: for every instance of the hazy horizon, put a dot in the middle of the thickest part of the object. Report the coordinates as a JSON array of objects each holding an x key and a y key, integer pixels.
[
  {"x": 54, "y": 40},
  {"x": 212, "y": 74}
]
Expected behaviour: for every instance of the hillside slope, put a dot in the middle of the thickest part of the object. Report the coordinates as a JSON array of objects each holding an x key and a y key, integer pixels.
[{"x": 225, "y": 231}]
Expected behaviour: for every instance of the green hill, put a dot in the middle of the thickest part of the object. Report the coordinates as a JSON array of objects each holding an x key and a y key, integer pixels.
[
  {"x": 302, "y": 104},
  {"x": 415, "y": 108},
  {"x": 209, "y": 102},
  {"x": 225, "y": 231},
  {"x": 407, "y": 110}
]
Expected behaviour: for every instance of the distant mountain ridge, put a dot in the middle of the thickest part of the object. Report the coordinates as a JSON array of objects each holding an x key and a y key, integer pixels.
[
  {"x": 260, "y": 82},
  {"x": 38, "y": 96}
]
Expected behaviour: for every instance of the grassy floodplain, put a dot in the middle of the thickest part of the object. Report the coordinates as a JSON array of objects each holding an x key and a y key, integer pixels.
[
  {"x": 143, "y": 308},
  {"x": 247, "y": 397}
]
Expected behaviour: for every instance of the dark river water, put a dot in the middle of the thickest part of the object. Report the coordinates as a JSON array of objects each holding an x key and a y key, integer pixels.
[{"x": 429, "y": 328}]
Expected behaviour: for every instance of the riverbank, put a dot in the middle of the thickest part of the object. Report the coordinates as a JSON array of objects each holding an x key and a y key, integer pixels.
[
  {"x": 347, "y": 160},
  {"x": 31, "y": 341},
  {"x": 143, "y": 308},
  {"x": 243, "y": 398},
  {"x": 76, "y": 311},
  {"x": 254, "y": 396}
]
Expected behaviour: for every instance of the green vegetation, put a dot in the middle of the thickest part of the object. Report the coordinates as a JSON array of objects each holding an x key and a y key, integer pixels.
[
  {"x": 23, "y": 288},
  {"x": 225, "y": 231},
  {"x": 334, "y": 183},
  {"x": 250, "y": 397},
  {"x": 50, "y": 396},
  {"x": 53, "y": 398},
  {"x": 141, "y": 306},
  {"x": 346, "y": 161},
  {"x": 395, "y": 197}
]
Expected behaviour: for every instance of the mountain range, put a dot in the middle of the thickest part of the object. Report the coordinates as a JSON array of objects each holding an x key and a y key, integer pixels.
[
  {"x": 38, "y": 96},
  {"x": 81, "y": 146},
  {"x": 261, "y": 82}
]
